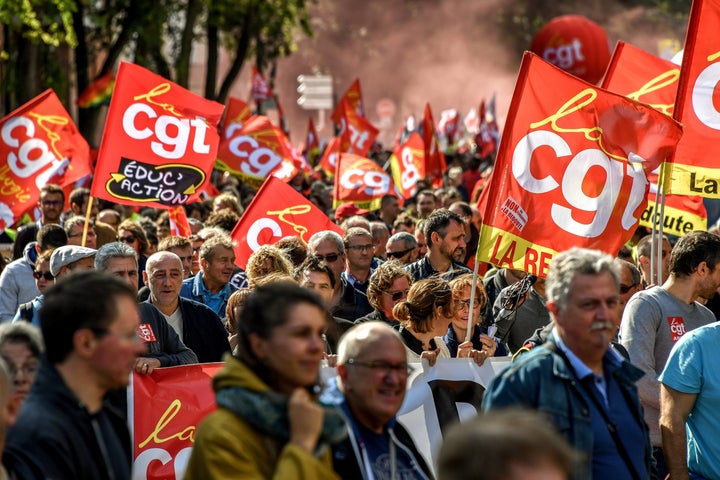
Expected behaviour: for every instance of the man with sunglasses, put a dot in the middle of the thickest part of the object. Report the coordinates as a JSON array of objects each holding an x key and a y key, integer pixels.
[
  {"x": 372, "y": 378},
  {"x": 656, "y": 318},
  {"x": 402, "y": 247}
]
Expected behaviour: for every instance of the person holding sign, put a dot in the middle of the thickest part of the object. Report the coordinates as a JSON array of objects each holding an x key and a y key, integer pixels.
[
  {"x": 268, "y": 424},
  {"x": 584, "y": 387}
]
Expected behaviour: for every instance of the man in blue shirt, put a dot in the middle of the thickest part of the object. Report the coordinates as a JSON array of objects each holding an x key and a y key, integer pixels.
[
  {"x": 211, "y": 286},
  {"x": 585, "y": 389}
]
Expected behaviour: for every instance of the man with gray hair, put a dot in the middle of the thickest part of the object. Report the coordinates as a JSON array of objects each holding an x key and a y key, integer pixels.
[
  {"x": 372, "y": 377},
  {"x": 403, "y": 247},
  {"x": 164, "y": 347},
  {"x": 585, "y": 388}
]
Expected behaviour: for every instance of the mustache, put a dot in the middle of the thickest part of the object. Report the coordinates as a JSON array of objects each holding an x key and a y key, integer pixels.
[{"x": 602, "y": 326}]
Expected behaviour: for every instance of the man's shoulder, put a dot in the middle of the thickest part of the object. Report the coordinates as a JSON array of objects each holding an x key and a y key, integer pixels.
[{"x": 195, "y": 307}]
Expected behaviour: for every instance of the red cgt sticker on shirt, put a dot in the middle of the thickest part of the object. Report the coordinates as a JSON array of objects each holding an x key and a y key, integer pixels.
[
  {"x": 677, "y": 327},
  {"x": 146, "y": 334}
]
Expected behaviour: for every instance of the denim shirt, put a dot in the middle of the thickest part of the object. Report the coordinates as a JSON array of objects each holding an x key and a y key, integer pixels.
[
  {"x": 542, "y": 379},
  {"x": 194, "y": 288}
]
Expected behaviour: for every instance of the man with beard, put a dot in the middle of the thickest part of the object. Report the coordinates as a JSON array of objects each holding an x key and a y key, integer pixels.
[
  {"x": 656, "y": 318},
  {"x": 445, "y": 235},
  {"x": 585, "y": 388},
  {"x": 211, "y": 286}
]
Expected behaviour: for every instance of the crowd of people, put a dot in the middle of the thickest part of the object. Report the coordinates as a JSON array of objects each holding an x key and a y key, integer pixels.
[{"x": 606, "y": 358}]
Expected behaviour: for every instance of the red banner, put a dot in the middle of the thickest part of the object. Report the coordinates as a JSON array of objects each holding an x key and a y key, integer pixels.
[
  {"x": 330, "y": 157},
  {"x": 646, "y": 78},
  {"x": 434, "y": 158},
  {"x": 40, "y": 145},
  {"x": 694, "y": 169},
  {"x": 353, "y": 96},
  {"x": 236, "y": 113},
  {"x": 160, "y": 142},
  {"x": 361, "y": 181},
  {"x": 356, "y": 133},
  {"x": 408, "y": 165},
  {"x": 256, "y": 150},
  {"x": 277, "y": 211},
  {"x": 312, "y": 144},
  {"x": 164, "y": 411},
  {"x": 571, "y": 169},
  {"x": 261, "y": 91}
]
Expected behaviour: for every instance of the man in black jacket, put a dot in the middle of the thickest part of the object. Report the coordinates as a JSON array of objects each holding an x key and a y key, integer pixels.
[
  {"x": 372, "y": 377},
  {"x": 196, "y": 324},
  {"x": 66, "y": 428}
]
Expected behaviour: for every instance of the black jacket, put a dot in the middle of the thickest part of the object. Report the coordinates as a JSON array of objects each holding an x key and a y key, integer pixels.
[
  {"x": 203, "y": 331},
  {"x": 422, "y": 269},
  {"x": 353, "y": 303},
  {"x": 56, "y": 437},
  {"x": 167, "y": 346}
]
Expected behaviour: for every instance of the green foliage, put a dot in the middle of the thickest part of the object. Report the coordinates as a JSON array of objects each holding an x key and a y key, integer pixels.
[{"x": 46, "y": 21}]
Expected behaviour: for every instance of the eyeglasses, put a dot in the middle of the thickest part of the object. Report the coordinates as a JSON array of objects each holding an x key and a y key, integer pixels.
[
  {"x": 362, "y": 248},
  {"x": 46, "y": 275},
  {"x": 460, "y": 304},
  {"x": 401, "y": 253},
  {"x": 127, "y": 239},
  {"x": 52, "y": 203},
  {"x": 626, "y": 288},
  {"x": 329, "y": 258},
  {"x": 27, "y": 369},
  {"x": 380, "y": 366},
  {"x": 397, "y": 295}
]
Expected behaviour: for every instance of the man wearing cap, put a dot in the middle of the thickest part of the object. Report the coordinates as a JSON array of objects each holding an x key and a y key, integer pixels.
[{"x": 347, "y": 210}]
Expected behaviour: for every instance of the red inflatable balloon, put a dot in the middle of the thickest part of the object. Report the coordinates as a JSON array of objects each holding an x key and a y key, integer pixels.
[{"x": 577, "y": 45}]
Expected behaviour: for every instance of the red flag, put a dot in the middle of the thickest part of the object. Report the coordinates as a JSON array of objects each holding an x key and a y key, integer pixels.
[
  {"x": 408, "y": 165},
  {"x": 160, "y": 142},
  {"x": 485, "y": 140},
  {"x": 353, "y": 96},
  {"x": 356, "y": 133},
  {"x": 179, "y": 224},
  {"x": 361, "y": 181},
  {"x": 40, "y": 145},
  {"x": 283, "y": 123},
  {"x": 330, "y": 157},
  {"x": 277, "y": 211},
  {"x": 652, "y": 80},
  {"x": 236, "y": 113},
  {"x": 571, "y": 169},
  {"x": 694, "y": 169},
  {"x": 261, "y": 91},
  {"x": 312, "y": 144},
  {"x": 255, "y": 151},
  {"x": 434, "y": 158}
]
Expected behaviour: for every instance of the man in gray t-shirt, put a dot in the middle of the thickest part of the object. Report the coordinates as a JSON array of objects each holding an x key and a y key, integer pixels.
[{"x": 656, "y": 318}]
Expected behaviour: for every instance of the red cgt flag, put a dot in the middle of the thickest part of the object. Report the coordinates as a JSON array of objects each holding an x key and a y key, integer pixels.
[
  {"x": 408, "y": 165},
  {"x": 256, "y": 150},
  {"x": 361, "y": 181},
  {"x": 236, "y": 113},
  {"x": 312, "y": 144},
  {"x": 40, "y": 145},
  {"x": 434, "y": 158},
  {"x": 160, "y": 142},
  {"x": 356, "y": 133},
  {"x": 571, "y": 169},
  {"x": 330, "y": 157},
  {"x": 353, "y": 96},
  {"x": 694, "y": 169},
  {"x": 277, "y": 211},
  {"x": 261, "y": 91},
  {"x": 179, "y": 224},
  {"x": 646, "y": 78}
]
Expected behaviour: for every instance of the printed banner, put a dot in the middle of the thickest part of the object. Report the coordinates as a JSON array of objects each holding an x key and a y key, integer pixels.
[
  {"x": 694, "y": 169},
  {"x": 277, "y": 211},
  {"x": 164, "y": 410},
  {"x": 571, "y": 169},
  {"x": 356, "y": 133},
  {"x": 159, "y": 144},
  {"x": 40, "y": 145},
  {"x": 646, "y": 78},
  {"x": 408, "y": 165},
  {"x": 361, "y": 181},
  {"x": 255, "y": 150},
  {"x": 167, "y": 406}
]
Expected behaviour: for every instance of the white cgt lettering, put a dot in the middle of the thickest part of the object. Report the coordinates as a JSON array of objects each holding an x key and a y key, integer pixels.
[
  {"x": 410, "y": 174},
  {"x": 376, "y": 183},
  {"x": 702, "y": 96},
  {"x": 258, "y": 161},
  {"x": 257, "y": 227},
  {"x": 32, "y": 155}
]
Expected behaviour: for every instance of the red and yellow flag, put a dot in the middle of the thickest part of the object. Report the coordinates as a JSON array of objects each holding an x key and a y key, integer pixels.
[
  {"x": 330, "y": 157},
  {"x": 39, "y": 144},
  {"x": 160, "y": 142},
  {"x": 356, "y": 133},
  {"x": 571, "y": 169},
  {"x": 361, "y": 181},
  {"x": 312, "y": 144},
  {"x": 353, "y": 96},
  {"x": 407, "y": 165},
  {"x": 236, "y": 113},
  {"x": 434, "y": 158},
  {"x": 261, "y": 91}
]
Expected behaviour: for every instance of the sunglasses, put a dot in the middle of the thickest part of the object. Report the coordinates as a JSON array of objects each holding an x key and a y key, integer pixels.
[
  {"x": 400, "y": 254},
  {"x": 626, "y": 288},
  {"x": 397, "y": 295},
  {"x": 329, "y": 258},
  {"x": 46, "y": 275},
  {"x": 128, "y": 239}
]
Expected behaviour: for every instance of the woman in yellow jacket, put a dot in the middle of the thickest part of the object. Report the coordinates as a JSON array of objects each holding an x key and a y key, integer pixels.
[{"x": 268, "y": 424}]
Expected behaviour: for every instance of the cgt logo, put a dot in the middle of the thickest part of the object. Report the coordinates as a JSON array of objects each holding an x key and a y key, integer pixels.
[
  {"x": 565, "y": 56},
  {"x": 171, "y": 134}
]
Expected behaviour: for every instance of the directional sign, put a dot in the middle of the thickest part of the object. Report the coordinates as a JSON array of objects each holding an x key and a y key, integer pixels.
[{"x": 315, "y": 92}]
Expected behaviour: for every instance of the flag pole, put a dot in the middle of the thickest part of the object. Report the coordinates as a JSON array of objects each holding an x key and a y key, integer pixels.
[{"x": 87, "y": 220}]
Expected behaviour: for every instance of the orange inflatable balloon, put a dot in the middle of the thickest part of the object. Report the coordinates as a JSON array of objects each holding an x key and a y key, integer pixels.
[{"x": 577, "y": 45}]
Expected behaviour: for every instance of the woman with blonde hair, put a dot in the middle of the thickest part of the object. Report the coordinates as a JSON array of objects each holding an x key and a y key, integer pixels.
[
  {"x": 424, "y": 318},
  {"x": 267, "y": 259}
]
